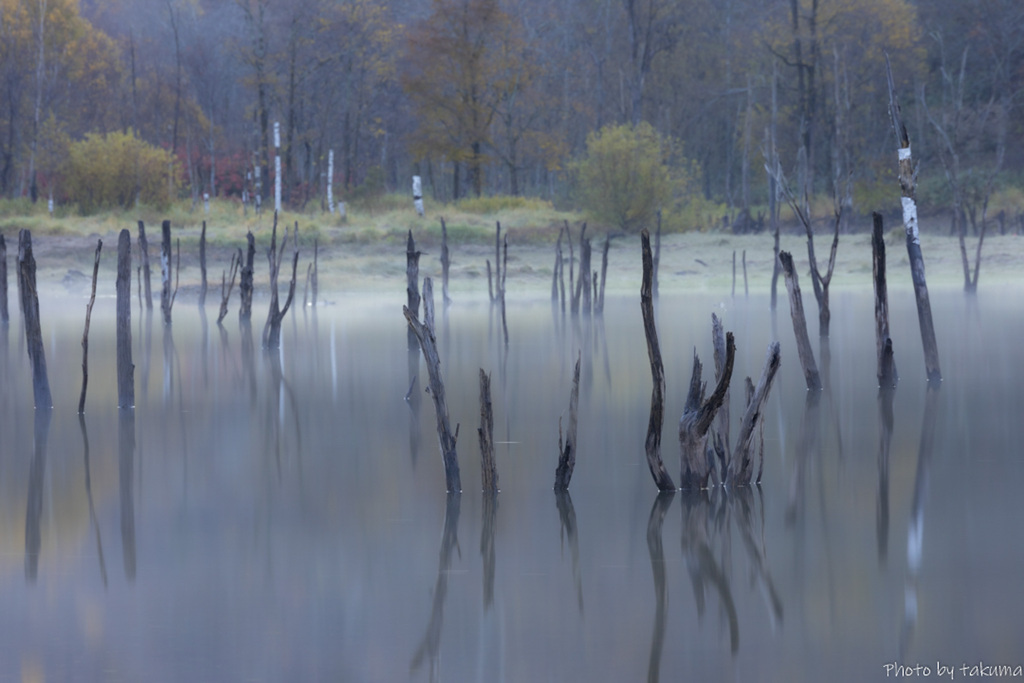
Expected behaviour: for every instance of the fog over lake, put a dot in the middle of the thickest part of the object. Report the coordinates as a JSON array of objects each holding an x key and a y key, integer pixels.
[{"x": 283, "y": 516}]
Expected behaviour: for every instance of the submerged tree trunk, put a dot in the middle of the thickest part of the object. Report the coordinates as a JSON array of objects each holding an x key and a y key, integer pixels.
[
  {"x": 796, "y": 311},
  {"x": 652, "y": 444},
  {"x": 272, "y": 328},
  {"x": 741, "y": 465},
  {"x": 125, "y": 367},
  {"x": 488, "y": 470},
  {"x": 599, "y": 306},
  {"x": 33, "y": 329},
  {"x": 4, "y": 313},
  {"x": 698, "y": 415},
  {"x": 226, "y": 286},
  {"x": 412, "y": 285},
  {"x": 908, "y": 188},
  {"x": 165, "y": 271},
  {"x": 202, "y": 266},
  {"x": 85, "y": 333},
  {"x": 144, "y": 254}
]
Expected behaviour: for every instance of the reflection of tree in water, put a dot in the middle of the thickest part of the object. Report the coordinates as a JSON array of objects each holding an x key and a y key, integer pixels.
[
  {"x": 430, "y": 646},
  {"x": 88, "y": 495},
  {"x": 567, "y": 517},
  {"x": 490, "y": 518},
  {"x": 915, "y": 526},
  {"x": 656, "y": 549},
  {"x": 885, "y": 400},
  {"x": 34, "y": 510},
  {"x": 701, "y": 562},
  {"x": 126, "y": 465}
]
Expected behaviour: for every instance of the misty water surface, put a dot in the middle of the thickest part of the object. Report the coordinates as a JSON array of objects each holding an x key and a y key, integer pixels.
[{"x": 283, "y": 517}]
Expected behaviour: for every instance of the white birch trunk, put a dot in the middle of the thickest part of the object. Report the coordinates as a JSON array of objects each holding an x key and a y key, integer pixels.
[
  {"x": 417, "y": 194},
  {"x": 277, "y": 167},
  {"x": 330, "y": 181}
]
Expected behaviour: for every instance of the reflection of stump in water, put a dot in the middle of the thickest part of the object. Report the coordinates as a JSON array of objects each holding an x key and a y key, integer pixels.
[
  {"x": 126, "y": 466},
  {"x": 747, "y": 515},
  {"x": 430, "y": 646},
  {"x": 88, "y": 494},
  {"x": 248, "y": 357},
  {"x": 701, "y": 564},
  {"x": 808, "y": 442},
  {"x": 567, "y": 520},
  {"x": 414, "y": 401},
  {"x": 490, "y": 520},
  {"x": 915, "y": 526},
  {"x": 34, "y": 509},
  {"x": 885, "y": 424},
  {"x": 656, "y": 549},
  {"x": 567, "y": 449}
]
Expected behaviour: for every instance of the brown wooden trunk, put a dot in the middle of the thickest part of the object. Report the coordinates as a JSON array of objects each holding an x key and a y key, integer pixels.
[
  {"x": 245, "y": 284},
  {"x": 599, "y": 306},
  {"x": 585, "y": 281},
  {"x": 567, "y": 448},
  {"x": 33, "y": 328},
  {"x": 886, "y": 369},
  {"x": 796, "y": 311},
  {"x": 144, "y": 255},
  {"x": 720, "y": 436},
  {"x": 488, "y": 469},
  {"x": 412, "y": 284},
  {"x": 652, "y": 444},
  {"x": 85, "y": 334},
  {"x": 125, "y": 367},
  {"x": 165, "y": 271},
  {"x": 698, "y": 415},
  {"x": 741, "y": 465}
]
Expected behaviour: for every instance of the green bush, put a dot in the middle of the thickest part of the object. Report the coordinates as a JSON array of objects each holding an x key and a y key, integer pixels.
[{"x": 116, "y": 169}]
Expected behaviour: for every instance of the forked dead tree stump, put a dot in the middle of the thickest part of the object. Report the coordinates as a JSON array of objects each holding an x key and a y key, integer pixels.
[{"x": 698, "y": 415}]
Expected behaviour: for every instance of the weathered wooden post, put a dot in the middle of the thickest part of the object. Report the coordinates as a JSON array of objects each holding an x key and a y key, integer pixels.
[
  {"x": 599, "y": 306},
  {"x": 488, "y": 469},
  {"x": 796, "y": 311},
  {"x": 741, "y": 465},
  {"x": 202, "y": 266},
  {"x": 412, "y": 285},
  {"x": 652, "y": 444},
  {"x": 908, "y": 190},
  {"x": 698, "y": 415},
  {"x": 887, "y": 375},
  {"x": 4, "y": 313},
  {"x": 85, "y": 334},
  {"x": 125, "y": 367},
  {"x": 272, "y": 328},
  {"x": 720, "y": 434},
  {"x": 144, "y": 255},
  {"x": 446, "y": 262},
  {"x": 583, "y": 284},
  {"x": 567, "y": 447},
  {"x": 245, "y": 284},
  {"x": 33, "y": 329},
  {"x": 165, "y": 271},
  {"x": 428, "y": 345}
]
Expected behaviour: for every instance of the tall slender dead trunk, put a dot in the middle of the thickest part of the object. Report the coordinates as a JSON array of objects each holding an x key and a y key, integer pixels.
[
  {"x": 144, "y": 255},
  {"x": 887, "y": 375},
  {"x": 33, "y": 329},
  {"x": 125, "y": 367},
  {"x": 796, "y": 311},
  {"x": 652, "y": 443}
]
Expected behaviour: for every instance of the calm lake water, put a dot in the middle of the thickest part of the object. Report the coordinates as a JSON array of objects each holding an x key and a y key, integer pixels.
[{"x": 283, "y": 517}]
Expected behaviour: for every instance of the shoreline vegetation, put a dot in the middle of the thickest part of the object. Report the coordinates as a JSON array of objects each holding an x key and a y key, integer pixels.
[{"x": 365, "y": 253}]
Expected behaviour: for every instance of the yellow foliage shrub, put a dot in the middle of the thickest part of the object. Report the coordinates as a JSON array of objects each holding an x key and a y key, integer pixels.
[{"x": 113, "y": 170}]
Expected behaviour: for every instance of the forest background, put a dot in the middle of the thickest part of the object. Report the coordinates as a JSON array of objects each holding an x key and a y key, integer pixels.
[{"x": 500, "y": 97}]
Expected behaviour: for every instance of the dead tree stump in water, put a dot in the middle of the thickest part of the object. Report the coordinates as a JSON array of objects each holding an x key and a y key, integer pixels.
[
  {"x": 4, "y": 313},
  {"x": 583, "y": 284},
  {"x": 567, "y": 447},
  {"x": 488, "y": 469},
  {"x": 908, "y": 189},
  {"x": 599, "y": 305},
  {"x": 652, "y": 444},
  {"x": 125, "y": 367},
  {"x": 796, "y": 311},
  {"x": 202, "y": 266},
  {"x": 245, "y": 285},
  {"x": 144, "y": 255},
  {"x": 720, "y": 435},
  {"x": 412, "y": 284},
  {"x": 33, "y": 329},
  {"x": 428, "y": 345},
  {"x": 165, "y": 271},
  {"x": 226, "y": 286},
  {"x": 272, "y": 328},
  {"x": 741, "y": 465},
  {"x": 85, "y": 334},
  {"x": 887, "y": 375},
  {"x": 698, "y": 415}
]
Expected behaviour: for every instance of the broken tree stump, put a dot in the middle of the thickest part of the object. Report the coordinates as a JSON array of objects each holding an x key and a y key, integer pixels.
[
  {"x": 796, "y": 311},
  {"x": 125, "y": 367},
  {"x": 245, "y": 284},
  {"x": 85, "y": 334},
  {"x": 697, "y": 417},
  {"x": 720, "y": 435},
  {"x": 567, "y": 447},
  {"x": 165, "y": 271},
  {"x": 202, "y": 266},
  {"x": 412, "y": 284},
  {"x": 741, "y": 465},
  {"x": 908, "y": 190},
  {"x": 887, "y": 375},
  {"x": 488, "y": 469},
  {"x": 272, "y": 328},
  {"x": 447, "y": 439},
  {"x": 33, "y": 329},
  {"x": 652, "y": 444},
  {"x": 144, "y": 256},
  {"x": 599, "y": 305},
  {"x": 226, "y": 286}
]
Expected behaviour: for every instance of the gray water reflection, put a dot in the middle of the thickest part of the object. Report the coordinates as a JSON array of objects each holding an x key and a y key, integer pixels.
[{"x": 274, "y": 526}]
